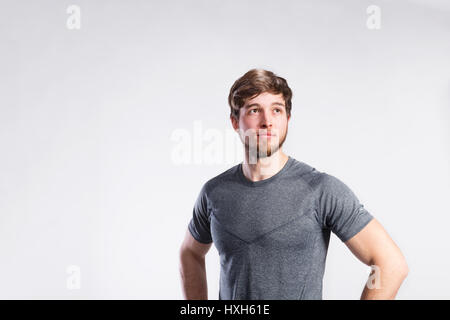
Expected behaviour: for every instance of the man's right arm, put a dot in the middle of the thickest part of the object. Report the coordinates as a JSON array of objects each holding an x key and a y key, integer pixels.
[{"x": 193, "y": 268}]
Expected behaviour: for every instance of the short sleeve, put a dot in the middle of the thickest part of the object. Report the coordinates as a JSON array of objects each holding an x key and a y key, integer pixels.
[
  {"x": 339, "y": 208},
  {"x": 199, "y": 226}
]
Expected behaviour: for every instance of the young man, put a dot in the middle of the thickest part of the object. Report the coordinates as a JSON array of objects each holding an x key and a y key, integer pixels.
[{"x": 270, "y": 217}]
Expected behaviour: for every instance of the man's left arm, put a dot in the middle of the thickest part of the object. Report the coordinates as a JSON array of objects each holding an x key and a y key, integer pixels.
[{"x": 374, "y": 247}]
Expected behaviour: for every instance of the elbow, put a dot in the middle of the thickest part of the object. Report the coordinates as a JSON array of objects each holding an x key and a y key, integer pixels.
[
  {"x": 402, "y": 267},
  {"x": 183, "y": 263},
  {"x": 405, "y": 270},
  {"x": 182, "y": 258},
  {"x": 396, "y": 267}
]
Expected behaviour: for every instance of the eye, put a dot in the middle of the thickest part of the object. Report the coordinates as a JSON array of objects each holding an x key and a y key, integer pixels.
[
  {"x": 253, "y": 110},
  {"x": 279, "y": 110}
]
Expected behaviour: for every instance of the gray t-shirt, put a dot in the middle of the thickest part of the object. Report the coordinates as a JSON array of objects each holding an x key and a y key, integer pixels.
[{"x": 272, "y": 235}]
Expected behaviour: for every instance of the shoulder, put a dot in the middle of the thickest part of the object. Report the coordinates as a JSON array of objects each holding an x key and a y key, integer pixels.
[
  {"x": 220, "y": 179},
  {"x": 320, "y": 182}
]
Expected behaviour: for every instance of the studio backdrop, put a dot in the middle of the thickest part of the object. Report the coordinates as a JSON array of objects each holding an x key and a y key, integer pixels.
[{"x": 113, "y": 114}]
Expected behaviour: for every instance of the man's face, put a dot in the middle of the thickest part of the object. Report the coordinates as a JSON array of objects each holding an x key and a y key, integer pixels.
[{"x": 263, "y": 123}]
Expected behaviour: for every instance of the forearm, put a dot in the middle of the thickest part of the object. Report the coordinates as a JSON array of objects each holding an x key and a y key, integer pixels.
[
  {"x": 193, "y": 277},
  {"x": 384, "y": 283}
]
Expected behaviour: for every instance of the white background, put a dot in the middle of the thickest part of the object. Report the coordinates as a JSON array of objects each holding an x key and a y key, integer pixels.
[{"x": 87, "y": 176}]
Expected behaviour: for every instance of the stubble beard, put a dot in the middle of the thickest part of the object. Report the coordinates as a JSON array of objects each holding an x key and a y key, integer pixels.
[{"x": 265, "y": 152}]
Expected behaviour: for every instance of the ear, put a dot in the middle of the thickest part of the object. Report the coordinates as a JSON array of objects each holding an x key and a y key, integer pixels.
[{"x": 234, "y": 123}]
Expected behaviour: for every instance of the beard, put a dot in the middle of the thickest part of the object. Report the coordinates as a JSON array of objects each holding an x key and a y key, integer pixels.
[{"x": 265, "y": 147}]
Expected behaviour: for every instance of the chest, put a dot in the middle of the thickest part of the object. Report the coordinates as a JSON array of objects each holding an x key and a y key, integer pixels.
[{"x": 273, "y": 219}]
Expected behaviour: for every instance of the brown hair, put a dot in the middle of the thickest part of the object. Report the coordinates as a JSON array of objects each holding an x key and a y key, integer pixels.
[{"x": 255, "y": 82}]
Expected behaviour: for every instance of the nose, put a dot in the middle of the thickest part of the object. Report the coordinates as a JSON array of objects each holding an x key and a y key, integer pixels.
[{"x": 266, "y": 120}]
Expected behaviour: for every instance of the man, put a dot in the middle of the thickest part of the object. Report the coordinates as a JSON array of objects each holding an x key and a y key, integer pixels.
[{"x": 270, "y": 217}]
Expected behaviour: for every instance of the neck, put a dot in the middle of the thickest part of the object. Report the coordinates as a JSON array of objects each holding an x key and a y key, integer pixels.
[{"x": 264, "y": 168}]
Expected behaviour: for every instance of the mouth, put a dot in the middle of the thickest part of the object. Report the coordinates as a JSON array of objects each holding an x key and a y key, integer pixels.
[{"x": 266, "y": 135}]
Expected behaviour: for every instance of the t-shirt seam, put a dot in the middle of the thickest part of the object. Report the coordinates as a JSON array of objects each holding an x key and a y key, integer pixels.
[
  {"x": 263, "y": 182},
  {"x": 316, "y": 201}
]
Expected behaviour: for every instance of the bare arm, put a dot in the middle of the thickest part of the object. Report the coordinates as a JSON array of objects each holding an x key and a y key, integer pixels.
[
  {"x": 192, "y": 268},
  {"x": 373, "y": 246}
]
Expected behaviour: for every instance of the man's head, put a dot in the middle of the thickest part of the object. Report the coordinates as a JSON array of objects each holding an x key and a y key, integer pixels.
[{"x": 260, "y": 103}]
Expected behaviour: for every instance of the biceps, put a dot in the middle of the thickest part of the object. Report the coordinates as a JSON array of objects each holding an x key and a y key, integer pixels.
[
  {"x": 197, "y": 248},
  {"x": 373, "y": 245}
]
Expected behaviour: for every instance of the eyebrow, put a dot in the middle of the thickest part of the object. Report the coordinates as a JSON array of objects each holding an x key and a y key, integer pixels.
[{"x": 258, "y": 105}]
